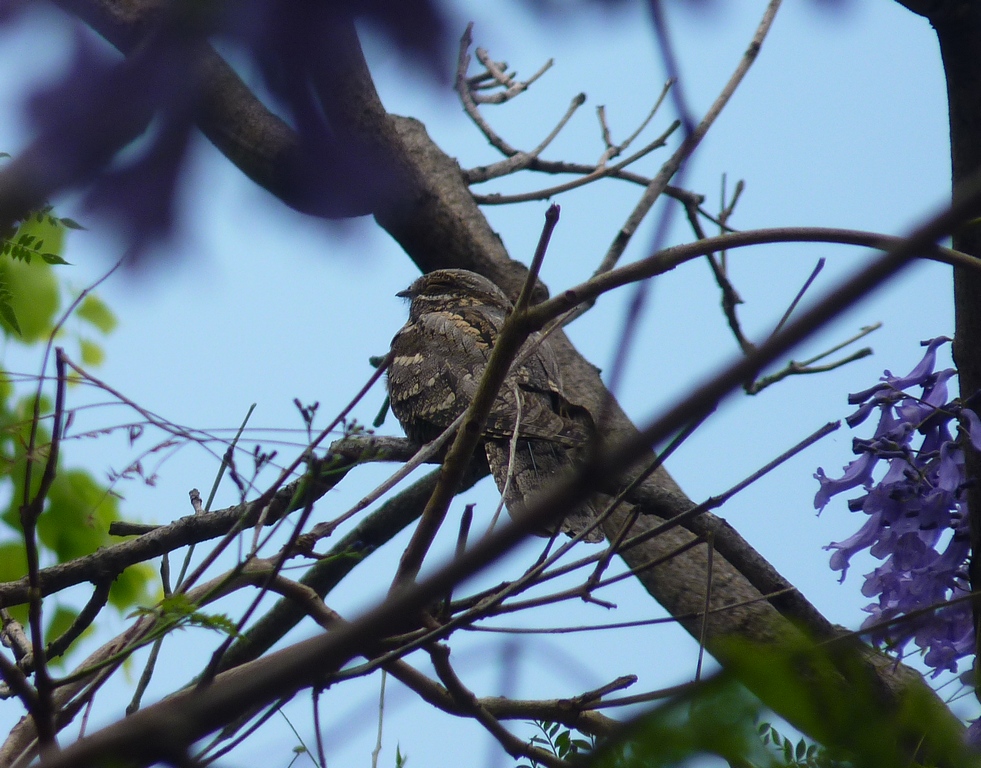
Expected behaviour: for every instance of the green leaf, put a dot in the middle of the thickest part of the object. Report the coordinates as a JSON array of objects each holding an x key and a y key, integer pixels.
[
  {"x": 54, "y": 258},
  {"x": 61, "y": 619},
  {"x": 34, "y": 298},
  {"x": 68, "y": 223},
  {"x": 717, "y": 717},
  {"x": 8, "y": 315},
  {"x": 831, "y": 695},
  {"x": 92, "y": 353},
  {"x": 95, "y": 311},
  {"x": 132, "y": 587},
  {"x": 76, "y": 517},
  {"x": 13, "y": 561},
  {"x": 181, "y": 611}
]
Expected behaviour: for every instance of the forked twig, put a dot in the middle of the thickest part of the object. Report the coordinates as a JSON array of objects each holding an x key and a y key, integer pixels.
[
  {"x": 804, "y": 367},
  {"x": 800, "y": 294},
  {"x": 597, "y": 173},
  {"x": 495, "y": 75},
  {"x": 614, "y": 150},
  {"x": 670, "y": 168},
  {"x": 512, "y": 87}
]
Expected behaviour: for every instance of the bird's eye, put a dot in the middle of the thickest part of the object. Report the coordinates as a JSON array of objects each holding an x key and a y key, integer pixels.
[{"x": 440, "y": 286}]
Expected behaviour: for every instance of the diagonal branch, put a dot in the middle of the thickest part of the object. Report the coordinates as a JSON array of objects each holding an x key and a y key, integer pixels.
[
  {"x": 440, "y": 226},
  {"x": 185, "y": 718}
]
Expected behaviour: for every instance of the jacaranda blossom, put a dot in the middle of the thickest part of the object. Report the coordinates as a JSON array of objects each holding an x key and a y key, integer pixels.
[{"x": 916, "y": 513}]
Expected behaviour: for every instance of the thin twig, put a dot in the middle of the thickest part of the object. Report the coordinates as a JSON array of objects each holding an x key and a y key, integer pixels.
[
  {"x": 17, "y": 682},
  {"x": 522, "y": 160},
  {"x": 467, "y": 98},
  {"x": 84, "y": 619},
  {"x": 512, "y": 87},
  {"x": 594, "y": 175},
  {"x": 706, "y": 608},
  {"x": 381, "y": 720},
  {"x": 730, "y": 297},
  {"x": 614, "y": 150},
  {"x": 466, "y": 520},
  {"x": 30, "y": 513},
  {"x": 795, "y": 368},
  {"x": 439, "y": 655},
  {"x": 800, "y": 294},
  {"x": 419, "y": 457},
  {"x": 651, "y": 467},
  {"x": 670, "y": 168},
  {"x": 287, "y": 551},
  {"x": 714, "y": 502},
  {"x": 214, "y": 490},
  {"x": 318, "y": 728},
  {"x": 512, "y": 453}
]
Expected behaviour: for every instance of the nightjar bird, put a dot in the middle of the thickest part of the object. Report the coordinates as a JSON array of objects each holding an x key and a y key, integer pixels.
[{"x": 438, "y": 359}]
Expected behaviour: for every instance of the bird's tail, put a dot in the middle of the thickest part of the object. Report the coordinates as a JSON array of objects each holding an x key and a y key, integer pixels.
[{"x": 535, "y": 466}]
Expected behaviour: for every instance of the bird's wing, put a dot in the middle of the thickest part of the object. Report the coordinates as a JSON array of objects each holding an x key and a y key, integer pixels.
[{"x": 437, "y": 364}]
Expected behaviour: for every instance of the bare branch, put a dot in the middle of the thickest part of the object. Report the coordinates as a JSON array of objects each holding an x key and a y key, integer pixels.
[
  {"x": 670, "y": 258},
  {"x": 730, "y": 297},
  {"x": 793, "y": 368},
  {"x": 440, "y": 656},
  {"x": 598, "y": 173},
  {"x": 614, "y": 150},
  {"x": 668, "y": 170},
  {"x": 512, "y": 87},
  {"x": 800, "y": 294},
  {"x": 467, "y": 99},
  {"x": 522, "y": 160}
]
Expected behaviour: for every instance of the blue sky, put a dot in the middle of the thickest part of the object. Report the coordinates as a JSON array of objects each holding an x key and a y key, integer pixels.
[{"x": 841, "y": 122}]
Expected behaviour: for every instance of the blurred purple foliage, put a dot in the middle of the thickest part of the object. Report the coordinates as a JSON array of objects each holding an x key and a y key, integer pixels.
[
  {"x": 119, "y": 127},
  {"x": 917, "y": 514}
]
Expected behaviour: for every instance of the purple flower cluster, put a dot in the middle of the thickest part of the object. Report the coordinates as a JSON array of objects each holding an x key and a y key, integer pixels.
[{"x": 917, "y": 515}]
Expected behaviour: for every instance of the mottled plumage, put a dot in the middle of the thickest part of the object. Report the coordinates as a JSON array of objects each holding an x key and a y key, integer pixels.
[{"x": 439, "y": 356}]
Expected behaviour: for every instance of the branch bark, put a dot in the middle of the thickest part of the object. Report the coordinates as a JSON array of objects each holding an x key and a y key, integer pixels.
[{"x": 958, "y": 28}]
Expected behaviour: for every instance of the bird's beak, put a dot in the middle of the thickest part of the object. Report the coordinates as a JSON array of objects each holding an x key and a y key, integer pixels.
[{"x": 406, "y": 294}]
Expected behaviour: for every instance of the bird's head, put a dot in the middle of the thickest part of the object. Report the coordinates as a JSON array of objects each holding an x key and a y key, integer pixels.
[{"x": 452, "y": 288}]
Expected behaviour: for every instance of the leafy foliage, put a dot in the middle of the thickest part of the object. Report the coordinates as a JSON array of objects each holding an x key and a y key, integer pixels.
[
  {"x": 178, "y": 612},
  {"x": 39, "y": 235},
  {"x": 78, "y": 507},
  {"x": 720, "y": 717},
  {"x": 799, "y": 754},
  {"x": 561, "y": 742}
]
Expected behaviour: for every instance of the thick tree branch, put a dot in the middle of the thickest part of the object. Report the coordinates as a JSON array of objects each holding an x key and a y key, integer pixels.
[
  {"x": 958, "y": 27},
  {"x": 437, "y": 222}
]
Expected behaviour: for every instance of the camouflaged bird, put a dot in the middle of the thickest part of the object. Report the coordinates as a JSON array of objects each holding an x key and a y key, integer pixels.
[{"x": 438, "y": 359}]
